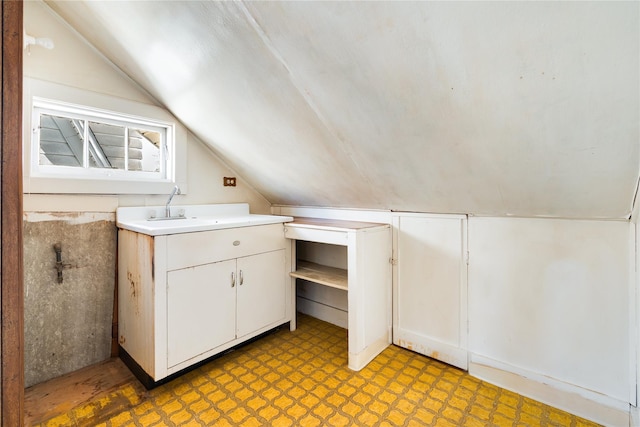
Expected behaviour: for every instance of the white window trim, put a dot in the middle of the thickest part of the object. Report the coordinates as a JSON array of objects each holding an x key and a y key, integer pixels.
[
  {"x": 62, "y": 180},
  {"x": 43, "y": 106}
]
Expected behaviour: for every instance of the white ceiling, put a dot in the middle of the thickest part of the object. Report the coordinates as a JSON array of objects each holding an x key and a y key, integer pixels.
[{"x": 491, "y": 108}]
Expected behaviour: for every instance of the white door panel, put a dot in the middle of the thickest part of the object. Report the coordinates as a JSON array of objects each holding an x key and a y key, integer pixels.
[
  {"x": 201, "y": 309},
  {"x": 261, "y": 291},
  {"x": 430, "y": 286}
]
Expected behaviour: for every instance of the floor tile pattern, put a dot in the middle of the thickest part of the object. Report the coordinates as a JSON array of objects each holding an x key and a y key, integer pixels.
[{"x": 301, "y": 379}]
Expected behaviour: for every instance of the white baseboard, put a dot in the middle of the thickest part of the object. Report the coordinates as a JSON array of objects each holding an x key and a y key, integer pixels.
[
  {"x": 573, "y": 399},
  {"x": 422, "y": 344},
  {"x": 635, "y": 416},
  {"x": 357, "y": 361}
]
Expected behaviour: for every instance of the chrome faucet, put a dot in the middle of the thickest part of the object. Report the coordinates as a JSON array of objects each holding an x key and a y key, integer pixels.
[{"x": 167, "y": 210}]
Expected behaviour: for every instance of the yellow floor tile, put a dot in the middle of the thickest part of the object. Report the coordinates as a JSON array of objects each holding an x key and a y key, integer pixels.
[{"x": 301, "y": 379}]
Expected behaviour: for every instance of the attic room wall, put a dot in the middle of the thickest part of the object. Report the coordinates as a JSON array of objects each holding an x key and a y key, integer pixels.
[
  {"x": 68, "y": 325},
  {"x": 491, "y": 108},
  {"x": 74, "y": 63},
  {"x": 550, "y": 302},
  {"x": 551, "y": 306}
]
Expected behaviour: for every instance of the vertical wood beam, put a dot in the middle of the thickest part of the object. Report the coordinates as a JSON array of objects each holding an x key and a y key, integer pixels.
[{"x": 11, "y": 267}]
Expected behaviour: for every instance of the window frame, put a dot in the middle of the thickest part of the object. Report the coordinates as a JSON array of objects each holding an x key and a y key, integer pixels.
[
  {"x": 42, "y": 106},
  {"x": 42, "y": 97}
]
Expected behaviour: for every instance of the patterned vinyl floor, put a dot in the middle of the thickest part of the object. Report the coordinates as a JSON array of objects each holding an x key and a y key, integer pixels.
[{"x": 300, "y": 379}]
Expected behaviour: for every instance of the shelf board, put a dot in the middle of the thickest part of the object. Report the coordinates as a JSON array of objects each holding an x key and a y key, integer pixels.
[
  {"x": 333, "y": 224},
  {"x": 317, "y": 273}
]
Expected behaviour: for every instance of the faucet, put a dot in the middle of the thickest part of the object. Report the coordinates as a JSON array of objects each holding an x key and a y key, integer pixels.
[{"x": 167, "y": 209}]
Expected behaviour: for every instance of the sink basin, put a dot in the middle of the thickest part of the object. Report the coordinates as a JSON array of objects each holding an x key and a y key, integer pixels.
[
  {"x": 196, "y": 218},
  {"x": 166, "y": 219}
]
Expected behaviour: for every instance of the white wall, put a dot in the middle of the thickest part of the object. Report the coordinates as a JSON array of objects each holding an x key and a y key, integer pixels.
[
  {"x": 494, "y": 108},
  {"x": 75, "y": 63},
  {"x": 552, "y": 300}
]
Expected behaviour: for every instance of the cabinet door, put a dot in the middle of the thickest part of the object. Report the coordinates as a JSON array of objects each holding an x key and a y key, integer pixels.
[
  {"x": 261, "y": 291},
  {"x": 201, "y": 309},
  {"x": 430, "y": 292}
]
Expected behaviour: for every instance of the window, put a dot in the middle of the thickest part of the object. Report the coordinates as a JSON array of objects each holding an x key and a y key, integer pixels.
[{"x": 81, "y": 141}]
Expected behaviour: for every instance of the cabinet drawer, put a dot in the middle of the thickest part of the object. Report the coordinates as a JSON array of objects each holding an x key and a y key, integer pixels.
[{"x": 189, "y": 249}]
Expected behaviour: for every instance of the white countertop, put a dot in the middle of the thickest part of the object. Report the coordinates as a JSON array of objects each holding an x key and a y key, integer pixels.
[{"x": 148, "y": 219}]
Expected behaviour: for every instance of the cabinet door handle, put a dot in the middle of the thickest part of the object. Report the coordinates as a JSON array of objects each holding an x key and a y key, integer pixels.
[
  {"x": 233, "y": 279},
  {"x": 241, "y": 278}
]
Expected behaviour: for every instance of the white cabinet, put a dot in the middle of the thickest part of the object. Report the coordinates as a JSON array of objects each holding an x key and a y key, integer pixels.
[
  {"x": 210, "y": 305},
  {"x": 201, "y": 310},
  {"x": 186, "y": 297},
  {"x": 261, "y": 297},
  {"x": 430, "y": 286},
  {"x": 366, "y": 280}
]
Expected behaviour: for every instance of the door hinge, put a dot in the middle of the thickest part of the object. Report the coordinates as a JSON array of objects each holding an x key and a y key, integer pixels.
[
  {"x": 467, "y": 257},
  {"x": 393, "y": 261}
]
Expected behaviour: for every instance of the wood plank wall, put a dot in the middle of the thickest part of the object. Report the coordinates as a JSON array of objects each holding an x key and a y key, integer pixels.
[{"x": 11, "y": 268}]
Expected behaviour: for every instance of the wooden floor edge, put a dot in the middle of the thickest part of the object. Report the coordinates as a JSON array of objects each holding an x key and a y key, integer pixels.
[{"x": 81, "y": 388}]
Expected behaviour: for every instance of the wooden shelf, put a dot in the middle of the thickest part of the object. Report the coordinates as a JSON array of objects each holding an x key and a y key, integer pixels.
[{"x": 317, "y": 273}]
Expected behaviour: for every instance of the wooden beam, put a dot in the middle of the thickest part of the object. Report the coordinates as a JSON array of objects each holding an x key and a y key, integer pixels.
[{"x": 11, "y": 268}]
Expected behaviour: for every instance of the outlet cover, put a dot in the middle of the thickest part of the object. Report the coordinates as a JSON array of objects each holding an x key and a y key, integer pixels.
[{"x": 229, "y": 181}]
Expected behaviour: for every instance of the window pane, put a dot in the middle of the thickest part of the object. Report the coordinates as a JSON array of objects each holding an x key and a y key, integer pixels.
[
  {"x": 144, "y": 150},
  {"x": 106, "y": 146},
  {"x": 60, "y": 141},
  {"x": 99, "y": 145}
]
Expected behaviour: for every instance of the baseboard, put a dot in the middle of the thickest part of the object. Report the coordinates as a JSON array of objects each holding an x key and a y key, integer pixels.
[
  {"x": 357, "y": 361},
  {"x": 150, "y": 383},
  {"x": 443, "y": 352},
  {"x": 635, "y": 416},
  {"x": 587, "y": 404},
  {"x": 144, "y": 378}
]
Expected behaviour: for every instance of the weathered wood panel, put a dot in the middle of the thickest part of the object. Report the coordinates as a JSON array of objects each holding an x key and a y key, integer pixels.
[
  {"x": 11, "y": 269},
  {"x": 60, "y": 395}
]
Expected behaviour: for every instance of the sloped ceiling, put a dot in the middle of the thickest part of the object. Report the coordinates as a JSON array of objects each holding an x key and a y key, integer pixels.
[{"x": 502, "y": 108}]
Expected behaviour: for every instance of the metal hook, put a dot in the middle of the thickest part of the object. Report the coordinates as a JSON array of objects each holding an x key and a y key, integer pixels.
[{"x": 59, "y": 264}]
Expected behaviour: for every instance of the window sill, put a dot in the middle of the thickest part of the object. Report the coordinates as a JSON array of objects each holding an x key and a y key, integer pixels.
[{"x": 64, "y": 185}]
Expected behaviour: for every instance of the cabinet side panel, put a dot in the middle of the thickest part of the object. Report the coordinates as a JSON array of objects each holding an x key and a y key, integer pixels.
[
  {"x": 369, "y": 290},
  {"x": 135, "y": 297}
]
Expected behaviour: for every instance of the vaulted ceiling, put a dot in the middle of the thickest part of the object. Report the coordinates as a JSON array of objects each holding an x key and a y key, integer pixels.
[{"x": 490, "y": 108}]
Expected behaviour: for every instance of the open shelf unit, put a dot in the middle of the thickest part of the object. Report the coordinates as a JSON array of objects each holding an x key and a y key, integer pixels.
[{"x": 366, "y": 280}]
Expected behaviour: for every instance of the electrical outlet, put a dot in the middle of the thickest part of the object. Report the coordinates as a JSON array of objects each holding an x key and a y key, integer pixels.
[{"x": 229, "y": 181}]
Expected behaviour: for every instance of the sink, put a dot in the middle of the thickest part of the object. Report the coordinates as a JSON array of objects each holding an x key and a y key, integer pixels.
[
  {"x": 166, "y": 218},
  {"x": 171, "y": 222},
  {"x": 196, "y": 218}
]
